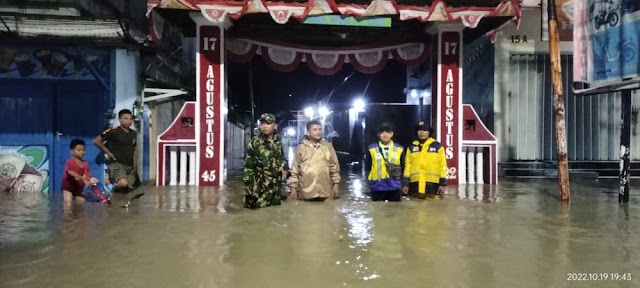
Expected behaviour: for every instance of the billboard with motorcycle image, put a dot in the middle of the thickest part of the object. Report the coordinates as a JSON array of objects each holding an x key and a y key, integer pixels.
[{"x": 606, "y": 35}]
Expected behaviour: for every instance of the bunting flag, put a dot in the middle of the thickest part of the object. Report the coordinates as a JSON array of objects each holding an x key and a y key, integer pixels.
[
  {"x": 326, "y": 61},
  {"x": 217, "y": 10}
]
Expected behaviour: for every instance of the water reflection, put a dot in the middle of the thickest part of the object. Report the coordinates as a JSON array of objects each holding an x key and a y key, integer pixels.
[
  {"x": 23, "y": 217},
  {"x": 485, "y": 193},
  {"x": 192, "y": 199},
  {"x": 358, "y": 238},
  {"x": 515, "y": 234}
]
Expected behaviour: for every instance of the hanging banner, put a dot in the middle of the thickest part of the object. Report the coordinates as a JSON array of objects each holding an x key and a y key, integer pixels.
[
  {"x": 285, "y": 57},
  {"x": 314, "y": 11},
  {"x": 54, "y": 64},
  {"x": 613, "y": 30},
  {"x": 581, "y": 49},
  {"x": 339, "y": 20}
]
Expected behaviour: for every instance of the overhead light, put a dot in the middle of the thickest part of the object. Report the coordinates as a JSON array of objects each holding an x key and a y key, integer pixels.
[
  {"x": 323, "y": 111},
  {"x": 358, "y": 105},
  {"x": 308, "y": 112}
]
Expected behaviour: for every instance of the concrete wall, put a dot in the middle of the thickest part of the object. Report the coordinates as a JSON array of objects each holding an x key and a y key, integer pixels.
[
  {"x": 531, "y": 3},
  {"x": 126, "y": 86},
  {"x": 126, "y": 81}
]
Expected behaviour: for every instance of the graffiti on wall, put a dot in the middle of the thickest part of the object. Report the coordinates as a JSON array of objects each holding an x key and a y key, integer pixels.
[
  {"x": 71, "y": 64},
  {"x": 24, "y": 169}
]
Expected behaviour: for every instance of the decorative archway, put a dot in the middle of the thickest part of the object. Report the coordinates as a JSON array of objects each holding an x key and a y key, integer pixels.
[{"x": 445, "y": 50}]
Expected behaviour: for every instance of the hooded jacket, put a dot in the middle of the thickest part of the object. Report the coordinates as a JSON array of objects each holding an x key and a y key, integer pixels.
[{"x": 315, "y": 169}]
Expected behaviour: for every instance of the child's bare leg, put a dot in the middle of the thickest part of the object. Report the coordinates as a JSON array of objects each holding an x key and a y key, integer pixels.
[{"x": 68, "y": 197}]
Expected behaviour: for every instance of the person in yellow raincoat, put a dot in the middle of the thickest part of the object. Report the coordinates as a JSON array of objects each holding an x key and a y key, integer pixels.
[
  {"x": 425, "y": 168},
  {"x": 315, "y": 171}
]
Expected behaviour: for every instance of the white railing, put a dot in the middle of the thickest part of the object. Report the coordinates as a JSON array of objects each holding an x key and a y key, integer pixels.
[
  {"x": 182, "y": 165},
  {"x": 472, "y": 165}
]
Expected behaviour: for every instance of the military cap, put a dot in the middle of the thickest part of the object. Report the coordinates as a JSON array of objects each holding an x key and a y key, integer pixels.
[{"x": 268, "y": 118}]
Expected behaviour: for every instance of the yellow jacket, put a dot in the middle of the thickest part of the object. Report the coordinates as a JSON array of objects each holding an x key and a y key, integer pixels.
[{"x": 425, "y": 163}]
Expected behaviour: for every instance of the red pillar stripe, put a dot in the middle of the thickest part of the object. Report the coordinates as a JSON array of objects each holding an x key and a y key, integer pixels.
[
  {"x": 447, "y": 101},
  {"x": 210, "y": 98}
]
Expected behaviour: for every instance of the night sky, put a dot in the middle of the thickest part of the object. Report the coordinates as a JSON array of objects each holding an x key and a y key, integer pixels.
[{"x": 279, "y": 92}]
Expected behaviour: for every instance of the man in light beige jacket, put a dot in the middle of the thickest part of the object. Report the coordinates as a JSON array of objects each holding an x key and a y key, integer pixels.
[{"x": 315, "y": 170}]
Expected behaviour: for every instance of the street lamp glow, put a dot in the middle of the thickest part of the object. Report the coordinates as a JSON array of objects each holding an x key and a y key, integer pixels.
[
  {"x": 358, "y": 105},
  {"x": 308, "y": 112},
  {"x": 426, "y": 95},
  {"x": 414, "y": 93},
  {"x": 291, "y": 132},
  {"x": 323, "y": 111}
]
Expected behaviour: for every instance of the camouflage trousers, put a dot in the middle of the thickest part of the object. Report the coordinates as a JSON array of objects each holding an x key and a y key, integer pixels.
[{"x": 262, "y": 191}]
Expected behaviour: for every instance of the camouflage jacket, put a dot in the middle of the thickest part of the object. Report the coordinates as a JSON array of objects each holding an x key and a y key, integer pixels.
[{"x": 264, "y": 155}]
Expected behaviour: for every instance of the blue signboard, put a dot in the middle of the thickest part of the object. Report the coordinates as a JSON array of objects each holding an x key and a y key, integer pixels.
[
  {"x": 614, "y": 36},
  {"x": 339, "y": 20}
]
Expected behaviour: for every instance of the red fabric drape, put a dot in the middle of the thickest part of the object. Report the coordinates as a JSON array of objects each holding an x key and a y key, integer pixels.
[{"x": 326, "y": 61}]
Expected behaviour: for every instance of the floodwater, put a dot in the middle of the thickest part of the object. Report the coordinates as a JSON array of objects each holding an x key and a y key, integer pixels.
[{"x": 515, "y": 234}]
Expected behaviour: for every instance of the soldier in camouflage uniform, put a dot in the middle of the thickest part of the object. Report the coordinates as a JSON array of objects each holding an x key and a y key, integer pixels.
[{"x": 264, "y": 166}]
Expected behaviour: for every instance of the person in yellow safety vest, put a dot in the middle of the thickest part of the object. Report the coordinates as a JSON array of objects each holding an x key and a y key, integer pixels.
[
  {"x": 425, "y": 167},
  {"x": 384, "y": 162}
]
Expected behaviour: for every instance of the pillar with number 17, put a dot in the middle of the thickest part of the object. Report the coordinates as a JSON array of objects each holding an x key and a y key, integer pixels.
[
  {"x": 446, "y": 91},
  {"x": 210, "y": 96}
]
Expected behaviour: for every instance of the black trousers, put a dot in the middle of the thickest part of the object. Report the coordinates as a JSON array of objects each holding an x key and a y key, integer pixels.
[
  {"x": 391, "y": 195},
  {"x": 431, "y": 189}
]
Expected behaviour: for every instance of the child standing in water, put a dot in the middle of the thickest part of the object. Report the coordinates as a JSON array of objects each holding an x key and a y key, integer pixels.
[{"x": 76, "y": 173}]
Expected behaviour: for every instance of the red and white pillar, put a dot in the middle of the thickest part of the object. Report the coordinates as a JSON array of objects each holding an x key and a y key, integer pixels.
[
  {"x": 446, "y": 93},
  {"x": 210, "y": 98}
]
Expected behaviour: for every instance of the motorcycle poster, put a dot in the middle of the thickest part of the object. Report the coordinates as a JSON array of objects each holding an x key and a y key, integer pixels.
[{"x": 613, "y": 29}]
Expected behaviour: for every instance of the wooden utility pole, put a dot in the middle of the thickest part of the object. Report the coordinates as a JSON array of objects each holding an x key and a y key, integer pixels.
[
  {"x": 558, "y": 102},
  {"x": 253, "y": 109},
  {"x": 625, "y": 147}
]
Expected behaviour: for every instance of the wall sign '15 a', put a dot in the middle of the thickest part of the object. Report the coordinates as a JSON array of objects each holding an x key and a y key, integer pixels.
[{"x": 516, "y": 39}]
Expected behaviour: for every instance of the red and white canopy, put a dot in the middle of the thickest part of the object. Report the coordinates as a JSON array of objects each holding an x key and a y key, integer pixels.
[
  {"x": 217, "y": 10},
  {"x": 287, "y": 57},
  {"x": 326, "y": 60}
]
